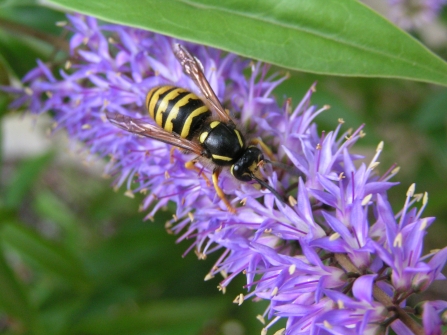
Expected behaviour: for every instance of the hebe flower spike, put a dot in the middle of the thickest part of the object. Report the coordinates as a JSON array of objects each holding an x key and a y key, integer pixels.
[{"x": 334, "y": 259}]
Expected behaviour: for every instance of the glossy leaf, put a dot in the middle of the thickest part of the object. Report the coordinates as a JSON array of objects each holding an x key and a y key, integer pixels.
[{"x": 338, "y": 37}]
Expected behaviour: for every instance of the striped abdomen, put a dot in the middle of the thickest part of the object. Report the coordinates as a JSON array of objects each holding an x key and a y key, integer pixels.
[{"x": 177, "y": 110}]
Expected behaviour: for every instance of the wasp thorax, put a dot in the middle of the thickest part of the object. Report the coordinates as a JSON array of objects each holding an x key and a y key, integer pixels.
[{"x": 248, "y": 164}]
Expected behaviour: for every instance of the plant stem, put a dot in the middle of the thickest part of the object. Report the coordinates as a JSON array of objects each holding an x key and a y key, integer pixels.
[{"x": 382, "y": 297}]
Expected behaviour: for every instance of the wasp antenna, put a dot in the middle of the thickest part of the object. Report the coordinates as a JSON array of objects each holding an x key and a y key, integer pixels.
[
  {"x": 271, "y": 189},
  {"x": 282, "y": 166}
]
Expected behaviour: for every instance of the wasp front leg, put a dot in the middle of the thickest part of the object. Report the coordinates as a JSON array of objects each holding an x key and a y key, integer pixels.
[
  {"x": 191, "y": 165},
  {"x": 219, "y": 191},
  {"x": 171, "y": 155}
]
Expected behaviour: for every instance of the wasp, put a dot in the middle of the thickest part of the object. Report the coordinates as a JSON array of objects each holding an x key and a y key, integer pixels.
[{"x": 186, "y": 121}]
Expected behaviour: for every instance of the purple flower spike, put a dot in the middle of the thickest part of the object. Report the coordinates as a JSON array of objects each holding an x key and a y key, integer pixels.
[{"x": 327, "y": 251}]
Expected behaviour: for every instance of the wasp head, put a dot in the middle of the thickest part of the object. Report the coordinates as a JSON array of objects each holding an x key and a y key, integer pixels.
[{"x": 247, "y": 166}]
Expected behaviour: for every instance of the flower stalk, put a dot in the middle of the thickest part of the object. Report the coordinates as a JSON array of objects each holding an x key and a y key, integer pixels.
[{"x": 383, "y": 298}]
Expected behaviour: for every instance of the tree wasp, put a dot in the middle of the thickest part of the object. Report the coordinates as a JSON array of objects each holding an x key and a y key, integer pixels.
[{"x": 186, "y": 121}]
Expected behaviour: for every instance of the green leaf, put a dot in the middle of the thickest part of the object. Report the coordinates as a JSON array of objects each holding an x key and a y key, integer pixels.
[
  {"x": 296, "y": 86},
  {"x": 14, "y": 3},
  {"x": 140, "y": 242},
  {"x": 337, "y": 37},
  {"x": 18, "y": 54},
  {"x": 4, "y": 80},
  {"x": 13, "y": 298},
  {"x": 22, "y": 181},
  {"x": 431, "y": 115},
  {"x": 47, "y": 254},
  {"x": 154, "y": 318},
  {"x": 29, "y": 14},
  {"x": 48, "y": 206},
  {"x": 28, "y": 32}
]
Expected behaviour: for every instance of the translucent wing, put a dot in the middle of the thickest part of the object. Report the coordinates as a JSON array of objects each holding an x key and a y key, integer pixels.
[
  {"x": 143, "y": 128},
  {"x": 193, "y": 68}
]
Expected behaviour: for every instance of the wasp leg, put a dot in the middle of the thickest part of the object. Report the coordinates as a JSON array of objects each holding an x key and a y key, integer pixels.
[
  {"x": 171, "y": 155},
  {"x": 191, "y": 165},
  {"x": 219, "y": 191},
  {"x": 264, "y": 147}
]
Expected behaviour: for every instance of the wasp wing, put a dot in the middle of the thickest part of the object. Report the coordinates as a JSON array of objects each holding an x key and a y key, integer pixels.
[
  {"x": 193, "y": 68},
  {"x": 143, "y": 128}
]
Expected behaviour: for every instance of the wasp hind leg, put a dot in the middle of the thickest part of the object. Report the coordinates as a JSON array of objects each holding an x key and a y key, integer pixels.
[
  {"x": 191, "y": 165},
  {"x": 219, "y": 191}
]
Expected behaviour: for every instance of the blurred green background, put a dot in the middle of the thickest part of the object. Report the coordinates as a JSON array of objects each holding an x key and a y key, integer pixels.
[{"x": 77, "y": 258}]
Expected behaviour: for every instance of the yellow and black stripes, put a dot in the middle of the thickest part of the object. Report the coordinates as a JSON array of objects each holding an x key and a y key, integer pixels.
[{"x": 177, "y": 110}]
